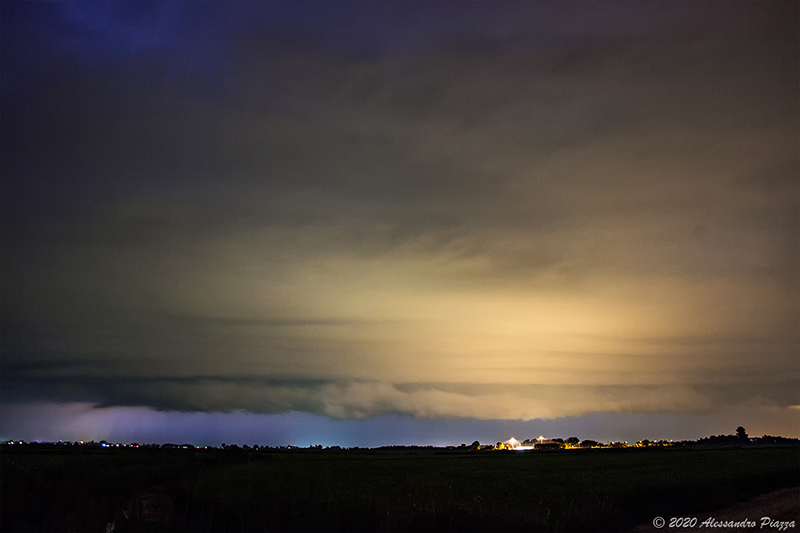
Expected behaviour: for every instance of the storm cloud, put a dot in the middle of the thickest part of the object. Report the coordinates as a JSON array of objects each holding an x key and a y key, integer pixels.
[{"x": 492, "y": 211}]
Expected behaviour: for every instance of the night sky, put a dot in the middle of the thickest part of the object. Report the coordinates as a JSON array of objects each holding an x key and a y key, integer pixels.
[{"x": 368, "y": 223}]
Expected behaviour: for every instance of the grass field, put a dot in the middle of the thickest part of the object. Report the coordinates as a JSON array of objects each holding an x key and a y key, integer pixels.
[{"x": 80, "y": 489}]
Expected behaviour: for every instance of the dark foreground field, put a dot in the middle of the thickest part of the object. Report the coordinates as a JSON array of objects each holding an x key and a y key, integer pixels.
[{"x": 84, "y": 489}]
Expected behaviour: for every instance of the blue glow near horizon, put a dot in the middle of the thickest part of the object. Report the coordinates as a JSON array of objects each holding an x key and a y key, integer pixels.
[{"x": 48, "y": 422}]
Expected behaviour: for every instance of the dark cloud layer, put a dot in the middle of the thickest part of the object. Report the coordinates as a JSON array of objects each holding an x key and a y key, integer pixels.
[{"x": 514, "y": 210}]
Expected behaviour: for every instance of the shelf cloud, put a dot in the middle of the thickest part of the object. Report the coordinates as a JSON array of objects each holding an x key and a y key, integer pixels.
[{"x": 505, "y": 211}]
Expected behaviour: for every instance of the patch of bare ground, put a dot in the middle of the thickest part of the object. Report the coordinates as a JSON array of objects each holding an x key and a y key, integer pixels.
[{"x": 775, "y": 511}]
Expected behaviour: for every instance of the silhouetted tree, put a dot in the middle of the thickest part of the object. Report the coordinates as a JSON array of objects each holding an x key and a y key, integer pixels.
[
  {"x": 741, "y": 434},
  {"x": 573, "y": 440},
  {"x": 547, "y": 446}
]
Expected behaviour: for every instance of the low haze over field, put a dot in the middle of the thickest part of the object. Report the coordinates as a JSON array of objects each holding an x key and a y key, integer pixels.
[{"x": 399, "y": 222}]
